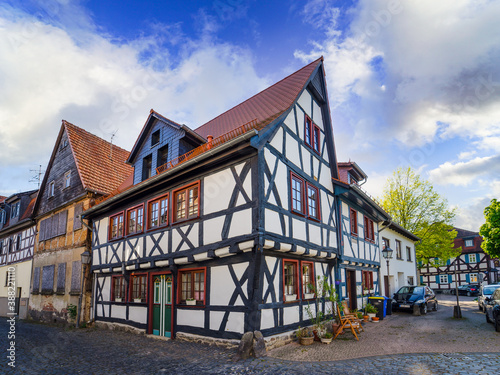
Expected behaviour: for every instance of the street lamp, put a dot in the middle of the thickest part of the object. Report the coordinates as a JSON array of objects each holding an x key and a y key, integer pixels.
[
  {"x": 387, "y": 254},
  {"x": 85, "y": 261}
]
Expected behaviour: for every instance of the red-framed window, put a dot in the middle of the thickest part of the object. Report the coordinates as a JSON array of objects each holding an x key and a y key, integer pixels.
[
  {"x": 369, "y": 229},
  {"x": 312, "y": 202},
  {"x": 192, "y": 285},
  {"x": 367, "y": 279},
  {"x": 139, "y": 288},
  {"x": 116, "y": 226},
  {"x": 312, "y": 134},
  {"x": 135, "y": 220},
  {"x": 186, "y": 202},
  {"x": 118, "y": 289},
  {"x": 307, "y": 275},
  {"x": 290, "y": 277},
  {"x": 158, "y": 212},
  {"x": 353, "y": 217},
  {"x": 297, "y": 194}
]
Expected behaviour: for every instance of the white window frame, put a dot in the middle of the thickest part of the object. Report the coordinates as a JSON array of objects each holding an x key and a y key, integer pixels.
[
  {"x": 469, "y": 241},
  {"x": 472, "y": 258},
  {"x": 52, "y": 186},
  {"x": 441, "y": 279},
  {"x": 67, "y": 179},
  {"x": 472, "y": 278}
]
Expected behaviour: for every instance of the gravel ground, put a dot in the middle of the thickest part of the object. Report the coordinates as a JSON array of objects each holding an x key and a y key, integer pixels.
[{"x": 401, "y": 332}]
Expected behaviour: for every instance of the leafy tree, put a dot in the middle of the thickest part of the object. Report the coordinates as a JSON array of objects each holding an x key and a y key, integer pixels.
[
  {"x": 491, "y": 229},
  {"x": 416, "y": 206}
]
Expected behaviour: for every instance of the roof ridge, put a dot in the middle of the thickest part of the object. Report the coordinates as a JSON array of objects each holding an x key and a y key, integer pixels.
[
  {"x": 93, "y": 135},
  {"x": 267, "y": 89}
]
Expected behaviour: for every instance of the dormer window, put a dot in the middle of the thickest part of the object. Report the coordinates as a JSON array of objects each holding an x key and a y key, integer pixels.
[
  {"x": 2, "y": 216},
  {"x": 15, "y": 209},
  {"x": 352, "y": 180},
  {"x": 155, "y": 138}
]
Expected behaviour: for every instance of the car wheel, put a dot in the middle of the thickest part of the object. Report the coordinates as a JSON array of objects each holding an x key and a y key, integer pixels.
[
  {"x": 497, "y": 323},
  {"x": 416, "y": 310},
  {"x": 468, "y": 294},
  {"x": 424, "y": 309},
  {"x": 435, "y": 308},
  {"x": 479, "y": 307},
  {"x": 487, "y": 318}
]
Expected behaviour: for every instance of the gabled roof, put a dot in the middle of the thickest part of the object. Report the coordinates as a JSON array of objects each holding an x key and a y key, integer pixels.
[
  {"x": 461, "y": 233},
  {"x": 101, "y": 165},
  {"x": 264, "y": 106},
  {"x": 2, "y": 198},
  {"x": 398, "y": 228},
  {"x": 147, "y": 125}
]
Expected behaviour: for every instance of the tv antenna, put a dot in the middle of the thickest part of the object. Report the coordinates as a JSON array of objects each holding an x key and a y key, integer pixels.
[
  {"x": 38, "y": 176},
  {"x": 111, "y": 144}
]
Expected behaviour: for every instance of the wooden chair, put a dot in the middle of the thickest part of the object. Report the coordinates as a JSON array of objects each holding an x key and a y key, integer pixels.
[
  {"x": 346, "y": 323},
  {"x": 351, "y": 315}
]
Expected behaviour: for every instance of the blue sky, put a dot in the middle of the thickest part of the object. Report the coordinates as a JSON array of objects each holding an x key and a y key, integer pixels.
[{"x": 410, "y": 83}]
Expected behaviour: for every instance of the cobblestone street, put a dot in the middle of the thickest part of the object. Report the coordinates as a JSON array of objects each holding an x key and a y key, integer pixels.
[{"x": 44, "y": 349}]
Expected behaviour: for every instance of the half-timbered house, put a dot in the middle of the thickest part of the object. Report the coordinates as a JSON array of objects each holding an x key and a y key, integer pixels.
[
  {"x": 403, "y": 265},
  {"x": 223, "y": 229},
  {"x": 359, "y": 217},
  {"x": 472, "y": 266},
  {"x": 82, "y": 168},
  {"x": 17, "y": 240}
]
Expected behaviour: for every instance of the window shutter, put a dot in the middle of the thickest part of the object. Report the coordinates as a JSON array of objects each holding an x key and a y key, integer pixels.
[
  {"x": 466, "y": 258},
  {"x": 76, "y": 270},
  {"x": 48, "y": 279},
  {"x": 61, "y": 278},
  {"x": 36, "y": 280},
  {"x": 438, "y": 281},
  {"x": 41, "y": 231},
  {"x": 467, "y": 278},
  {"x": 77, "y": 223},
  {"x": 63, "y": 219},
  {"x": 53, "y": 226},
  {"x": 449, "y": 279}
]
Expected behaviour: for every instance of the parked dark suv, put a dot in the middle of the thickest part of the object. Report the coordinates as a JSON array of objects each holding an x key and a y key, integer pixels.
[
  {"x": 417, "y": 299},
  {"x": 467, "y": 290},
  {"x": 492, "y": 305},
  {"x": 485, "y": 292}
]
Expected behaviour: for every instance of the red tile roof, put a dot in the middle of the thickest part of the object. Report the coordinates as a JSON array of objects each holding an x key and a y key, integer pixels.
[
  {"x": 100, "y": 164},
  {"x": 2, "y": 198},
  {"x": 264, "y": 106}
]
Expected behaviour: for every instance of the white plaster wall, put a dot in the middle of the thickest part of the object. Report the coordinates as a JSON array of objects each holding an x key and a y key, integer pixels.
[
  {"x": 316, "y": 163},
  {"x": 273, "y": 223},
  {"x": 106, "y": 288},
  {"x": 217, "y": 191},
  {"x": 306, "y": 160},
  {"x": 305, "y": 102},
  {"x": 290, "y": 121},
  {"x": 191, "y": 317},
  {"x": 326, "y": 202},
  {"x": 277, "y": 140},
  {"x": 193, "y": 237},
  {"x": 267, "y": 319},
  {"x": 118, "y": 312},
  {"x": 22, "y": 278},
  {"x": 299, "y": 229},
  {"x": 212, "y": 229},
  {"x": 300, "y": 121},
  {"x": 241, "y": 223},
  {"x": 223, "y": 286},
  {"x": 103, "y": 230},
  {"x": 315, "y": 234},
  {"x": 138, "y": 314},
  {"x": 292, "y": 150},
  {"x": 271, "y": 262},
  {"x": 235, "y": 321},
  {"x": 317, "y": 115},
  {"x": 290, "y": 315},
  {"x": 282, "y": 185}
]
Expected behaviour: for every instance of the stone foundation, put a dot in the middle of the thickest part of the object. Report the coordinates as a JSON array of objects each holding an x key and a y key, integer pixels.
[
  {"x": 282, "y": 339},
  {"x": 119, "y": 327},
  {"x": 208, "y": 340}
]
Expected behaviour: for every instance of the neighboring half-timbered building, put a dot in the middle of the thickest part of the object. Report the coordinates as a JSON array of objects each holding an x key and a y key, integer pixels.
[
  {"x": 360, "y": 216},
  {"x": 82, "y": 168},
  {"x": 17, "y": 240},
  {"x": 222, "y": 230},
  {"x": 472, "y": 266}
]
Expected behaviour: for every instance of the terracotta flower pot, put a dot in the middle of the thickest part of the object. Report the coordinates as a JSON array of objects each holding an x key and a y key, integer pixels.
[
  {"x": 366, "y": 318},
  {"x": 375, "y": 319}
]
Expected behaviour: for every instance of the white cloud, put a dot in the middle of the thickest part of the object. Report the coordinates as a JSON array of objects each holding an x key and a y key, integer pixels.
[
  {"x": 49, "y": 73},
  {"x": 436, "y": 60},
  {"x": 464, "y": 173}
]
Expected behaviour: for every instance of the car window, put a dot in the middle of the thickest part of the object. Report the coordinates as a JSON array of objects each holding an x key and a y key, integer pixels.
[
  {"x": 488, "y": 291},
  {"x": 417, "y": 290},
  {"x": 404, "y": 289}
]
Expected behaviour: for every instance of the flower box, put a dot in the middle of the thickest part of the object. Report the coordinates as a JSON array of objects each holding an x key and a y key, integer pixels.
[
  {"x": 290, "y": 297},
  {"x": 308, "y": 295},
  {"x": 191, "y": 302}
]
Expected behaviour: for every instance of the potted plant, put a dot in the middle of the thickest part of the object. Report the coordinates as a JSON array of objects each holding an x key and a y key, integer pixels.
[
  {"x": 371, "y": 310},
  {"x": 304, "y": 335},
  {"x": 326, "y": 338},
  {"x": 190, "y": 302}
]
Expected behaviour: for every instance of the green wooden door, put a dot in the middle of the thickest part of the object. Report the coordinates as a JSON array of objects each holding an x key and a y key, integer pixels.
[{"x": 162, "y": 305}]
